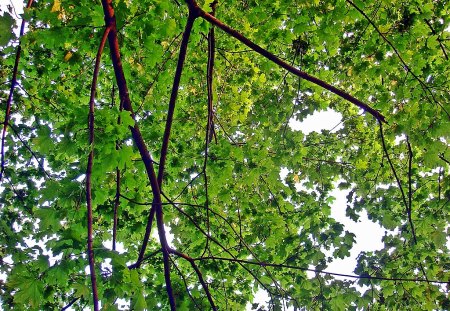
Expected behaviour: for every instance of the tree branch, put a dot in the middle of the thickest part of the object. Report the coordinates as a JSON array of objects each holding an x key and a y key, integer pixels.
[
  {"x": 118, "y": 177},
  {"x": 199, "y": 275},
  {"x": 158, "y": 208},
  {"x": 209, "y": 132},
  {"x": 110, "y": 20},
  {"x": 232, "y": 32},
  {"x": 11, "y": 94},
  {"x": 89, "y": 169},
  {"x": 399, "y": 184},
  {"x": 405, "y": 65},
  {"x": 70, "y": 304},
  {"x": 350, "y": 276},
  {"x": 409, "y": 207}
]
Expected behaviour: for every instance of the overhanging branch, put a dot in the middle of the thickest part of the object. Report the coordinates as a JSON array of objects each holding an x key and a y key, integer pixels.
[{"x": 234, "y": 33}]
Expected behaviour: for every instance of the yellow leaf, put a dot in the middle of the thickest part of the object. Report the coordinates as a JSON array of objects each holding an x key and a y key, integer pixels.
[
  {"x": 68, "y": 56},
  {"x": 56, "y": 6}
]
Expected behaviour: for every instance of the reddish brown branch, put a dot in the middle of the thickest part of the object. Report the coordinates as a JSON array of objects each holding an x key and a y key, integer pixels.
[
  {"x": 118, "y": 177},
  {"x": 11, "y": 94},
  {"x": 110, "y": 21},
  {"x": 89, "y": 170},
  {"x": 199, "y": 275},
  {"x": 166, "y": 137},
  {"x": 232, "y": 32}
]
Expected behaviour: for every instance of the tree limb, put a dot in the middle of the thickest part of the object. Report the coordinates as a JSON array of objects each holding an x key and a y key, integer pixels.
[
  {"x": 234, "y": 33},
  {"x": 10, "y": 96},
  {"x": 89, "y": 169},
  {"x": 110, "y": 20}
]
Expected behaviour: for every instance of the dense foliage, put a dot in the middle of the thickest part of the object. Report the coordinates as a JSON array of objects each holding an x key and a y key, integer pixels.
[{"x": 89, "y": 167}]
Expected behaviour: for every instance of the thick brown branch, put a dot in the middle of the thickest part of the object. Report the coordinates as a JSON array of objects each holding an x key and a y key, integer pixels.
[
  {"x": 110, "y": 20},
  {"x": 89, "y": 170},
  {"x": 232, "y": 32},
  {"x": 173, "y": 96},
  {"x": 10, "y": 96}
]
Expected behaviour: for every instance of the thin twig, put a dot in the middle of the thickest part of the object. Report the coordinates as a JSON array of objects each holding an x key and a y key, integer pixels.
[
  {"x": 11, "y": 93},
  {"x": 118, "y": 177},
  {"x": 350, "y": 276},
  {"x": 199, "y": 275},
  {"x": 399, "y": 184},
  {"x": 89, "y": 169},
  {"x": 405, "y": 65},
  {"x": 409, "y": 208},
  {"x": 209, "y": 132},
  {"x": 40, "y": 165}
]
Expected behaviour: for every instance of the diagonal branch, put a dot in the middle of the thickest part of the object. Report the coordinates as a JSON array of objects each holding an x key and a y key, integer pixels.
[
  {"x": 234, "y": 33},
  {"x": 199, "y": 275},
  {"x": 11, "y": 93},
  {"x": 89, "y": 169},
  {"x": 173, "y": 97},
  {"x": 24, "y": 143},
  {"x": 217, "y": 242},
  {"x": 110, "y": 21},
  {"x": 405, "y": 65}
]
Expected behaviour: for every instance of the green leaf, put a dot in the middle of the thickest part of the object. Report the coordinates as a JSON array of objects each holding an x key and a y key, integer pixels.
[
  {"x": 6, "y": 26},
  {"x": 30, "y": 292},
  {"x": 138, "y": 301}
]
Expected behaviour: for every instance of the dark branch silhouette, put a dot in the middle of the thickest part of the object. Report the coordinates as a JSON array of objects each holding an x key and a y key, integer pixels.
[
  {"x": 90, "y": 250},
  {"x": 397, "y": 53},
  {"x": 234, "y": 33},
  {"x": 11, "y": 94},
  {"x": 350, "y": 276},
  {"x": 199, "y": 275},
  {"x": 399, "y": 183},
  {"x": 110, "y": 21},
  {"x": 173, "y": 97},
  {"x": 118, "y": 177}
]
